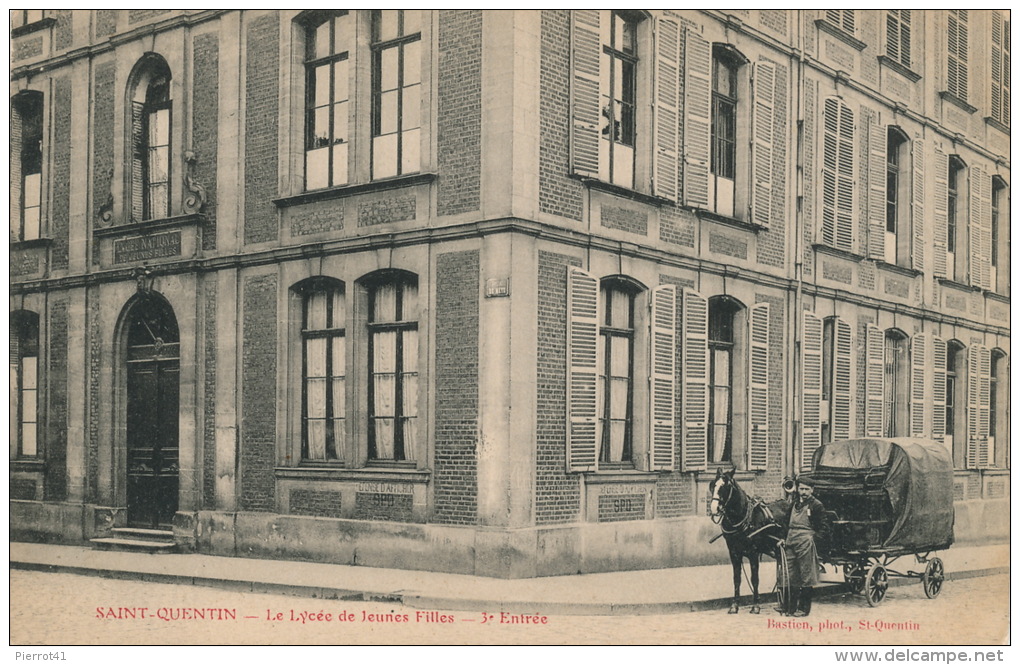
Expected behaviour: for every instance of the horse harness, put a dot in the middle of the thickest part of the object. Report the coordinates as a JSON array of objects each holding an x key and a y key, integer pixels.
[{"x": 742, "y": 526}]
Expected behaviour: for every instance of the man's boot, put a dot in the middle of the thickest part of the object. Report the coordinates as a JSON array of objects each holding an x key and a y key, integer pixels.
[
  {"x": 804, "y": 604},
  {"x": 791, "y": 601}
]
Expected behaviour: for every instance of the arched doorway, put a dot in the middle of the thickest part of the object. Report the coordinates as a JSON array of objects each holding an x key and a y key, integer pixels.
[{"x": 153, "y": 389}]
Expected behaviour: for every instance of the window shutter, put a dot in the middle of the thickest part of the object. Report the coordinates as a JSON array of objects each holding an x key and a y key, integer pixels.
[
  {"x": 138, "y": 156},
  {"x": 846, "y": 179},
  {"x": 892, "y": 34},
  {"x": 667, "y": 100},
  {"x": 758, "y": 386},
  {"x": 905, "y": 37},
  {"x": 842, "y": 367},
  {"x": 762, "y": 143},
  {"x": 875, "y": 376},
  {"x": 917, "y": 205},
  {"x": 663, "y": 378},
  {"x": 837, "y": 175},
  {"x": 938, "y": 400},
  {"x": 958, "y": 45},
  {"x": 918, "y": 364},
  {"x": 940, "y": 218},
  {"x": 695, "y": 381},
  {"x": 582, "y": 368},
  {"x": 697, "y": 118},
  {"x": 1000, "y": 83},
  {"x": 585, "y": 106},
  {"x": 876, "y": 136},
  {"x": 973, "y": 401},
  {"x": 983, "y": 404},
  {"x": 980, "y": 228},
  {"x": 811, "y": 387}
]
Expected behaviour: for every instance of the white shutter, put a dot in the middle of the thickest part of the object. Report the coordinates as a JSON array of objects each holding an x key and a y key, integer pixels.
[
  {"x": 940, "y": 218},
  {"x": 758, "y": 386},
  {"x": 697, "y": 118},
  {"x": 918, "y": 365},
  {"x": 983, "y": 405},
  {"x": 980, "y": 225},
  {"x": 917, "y": 205},
  {"x": 973, "y": 408},
  {"x": 957, "y": 73},
  {"x": 811, "y": 388},
  {"x": 938, "y": 399},
  {"x": 138, "y": 157},
  {"x": 582, "y": 370},
  {"x": 830, "y": 164},
  {"x": 762, "y": 126},
  {"x": 666, "y": 110},
  {"x": 663, "y": 378},
  {"x": 695, "y": 381},
  {"x": 842, "y": 398},
  {"x": 875, "y": 379},
  {"x": 838, "y": 175},
  {"x": 876, "y": 137},
  {"x": 585, "y": 106}
]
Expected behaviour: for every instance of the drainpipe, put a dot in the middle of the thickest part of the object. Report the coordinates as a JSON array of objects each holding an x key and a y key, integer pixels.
[{"x": 793, "y": 363}]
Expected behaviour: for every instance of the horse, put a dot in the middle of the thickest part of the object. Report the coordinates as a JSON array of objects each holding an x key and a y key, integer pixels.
[{"x": 748, "y": 527}]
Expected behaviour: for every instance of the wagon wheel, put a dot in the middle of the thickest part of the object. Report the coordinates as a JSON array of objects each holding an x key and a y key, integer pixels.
[
  {"x": 875, "y": 585},
  {"x": 934, "y": 575},
  {"x": 853, "y": 575}
]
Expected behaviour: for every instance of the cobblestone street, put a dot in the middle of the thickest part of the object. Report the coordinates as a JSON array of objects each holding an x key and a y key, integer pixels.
[{"x": 63, "y": 609}]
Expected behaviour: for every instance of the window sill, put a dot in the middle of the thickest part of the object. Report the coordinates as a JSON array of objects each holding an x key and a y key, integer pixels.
[
  {"x": 899, "y": 68},
  {"x": 28, "y": 465},
  {"x": 740, "y": 475},
  {"x": 344, "y": 191},
  {"x": 1004, "y": 128},
  {"x": 619, "y": 476},
  {"x": 149, "y": 226},
  {"x": 34, "y": 26},
  {"x": 31, "y": 244},
  {"x": 728, "y": 221},
  {"x": 841, "y": 253},
  {"x": 371, "y": 474},
  {"x": 998, "y": 297},
  {"x": 902, "y": 270},
  {"x": 622, "y": 192},
  {"x": 840, "y": 34},
  {"x": 952, "y": 283},
  {"x": 956, "y": 101}
]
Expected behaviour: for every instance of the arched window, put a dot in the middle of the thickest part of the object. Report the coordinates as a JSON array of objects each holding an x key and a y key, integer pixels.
[
  {"x": 896, "y": 384},
  {"x": 725, "y": 378},
  {"x": 323, "y": 370},
  {"x": 897, "y": 196},
  {"x": 24, "y": 366},
  {"x": 151, "y": 118},
  {"x": 616, "y": 371},
  {"x": 26, "y": 165},
  {"x": 328, "y": 41},
  {"x": 956, "y": 398}
]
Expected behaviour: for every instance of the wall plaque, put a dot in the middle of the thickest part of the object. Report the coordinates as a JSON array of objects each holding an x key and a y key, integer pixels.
[{"x": 144, "y": 248}]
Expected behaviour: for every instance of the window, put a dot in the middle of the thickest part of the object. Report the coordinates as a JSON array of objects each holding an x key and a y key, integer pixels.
[
  {"x": 27, "y": 129},
  {"x": 956, "y": 66},
  {"x": 23, "y": 17},
  {"x": 324, "y": 363},
  {"x": 327, "y": 78},
  {"x": 392, "y": 366},
  {"x": 151, "y": 132},
  {"x": 842, "y": 18},
  {"x": 24, "y": 365},
  {"x": 897, "y": 36},
  {"x": 722, "y": 340},
  {"x": 955, "y": 214},
  {"x": 896, "y": 384},
  {"x": 998, "y": 429},
  {"x": 897, "y": 197},
  {"x": 1000, "y": 67},
  {"x": 616, "y": 372},
  {"x": 828, "y": 361},
  {"x": 1000, "y": 205},
  {"x": 617, "y": 88},
  {"x": 956, "y": 386},
  {"x": 838, "y": 175},
  {"x": 396, "y": 92},
  {"x": 725, "y": 65}
]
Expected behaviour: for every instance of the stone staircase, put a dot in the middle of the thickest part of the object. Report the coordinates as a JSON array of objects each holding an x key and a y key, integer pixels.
[{"x": 150, "y": 541}]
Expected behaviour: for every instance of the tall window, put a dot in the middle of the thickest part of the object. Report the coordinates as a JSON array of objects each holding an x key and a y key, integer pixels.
[
  {"x": 1000, "y": 203},
  {"x": 616, "y": 372},
  {"x": 617, "y": 85},
  {"x": 24, "y": 365},
  {"x": 326, "y": 92},
  {"x": 392, "y": 366},
  {"x": 725, "y": 65},
  {"x": 955, "y": 213},
  {"x": 838, "y": 175},
  {"x": 897, "y": 35},
  {"x": 956, "y": 66},
  {"x": 896, "y": 384},
  {"x": 151, "y": 127},
  {"x": 722, "y": 342},
  {"x": 396, "y": 92},
  {"x": 956, "y": 385},
  {"x": 843, "y": 19},
  {"x": 997, "y": 422},
  {"x": 828, "y": 362},
  {"x": 324, "y": 372},
  {"x": 23, "y": 17},
  {"x": 27, "y": 123},
  {"x": 896, "y": 195},
  {"x": 1000, "y": 67}
]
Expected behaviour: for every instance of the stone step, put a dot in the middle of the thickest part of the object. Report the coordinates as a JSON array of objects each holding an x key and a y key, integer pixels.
[
  {"x": 132, "y": 545},
  {"x": 154, "y": 535}
]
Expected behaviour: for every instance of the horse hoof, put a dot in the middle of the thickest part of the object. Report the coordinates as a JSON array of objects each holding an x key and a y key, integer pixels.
[
  {"x": 755, "y": 610},
  {"x": 733, "y": 609}
]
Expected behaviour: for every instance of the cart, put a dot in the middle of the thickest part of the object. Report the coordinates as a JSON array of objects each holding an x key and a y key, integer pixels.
[{"x": 886, "y": 499}]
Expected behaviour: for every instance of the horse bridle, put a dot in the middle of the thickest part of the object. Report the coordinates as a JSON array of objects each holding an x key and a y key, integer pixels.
[{"x": 720, "y": 515}]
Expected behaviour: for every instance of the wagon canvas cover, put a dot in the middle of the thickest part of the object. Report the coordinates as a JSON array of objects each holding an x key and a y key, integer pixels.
[{"x": 918, "y": 482}]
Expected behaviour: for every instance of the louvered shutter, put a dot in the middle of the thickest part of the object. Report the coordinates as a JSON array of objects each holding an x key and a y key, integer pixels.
[
  {"x": 663, "y": 378},
  {"x": 917, "y": 205},
  {"x": 983, "y": 405},
  {"x": 1000, "y": 82},
  {"x": 842, "y": 368},
  {"x": 667, "y": 100},
  {"x": 980, "y": 228},
  {"x": 940, "y": 218},
  {"x": 876, "y": 137},
  {"x": 938, "y": 399},
  {"x": 837, "y": 175},
  {"x": 582, "y": 370},
  {"x": 695, "y": 381},
  {"x": 846, "y": 179},
  {"x": 892, "y": 34},
  {"x": 138, "y": 157},
  {"x": 758, "y": 386},
  {"x": 811, "y": 388},
  {"x": 875, "y": 378},
  {"x": 697, "y": 118},
  {"x": 957, "y": 74},
  {"x": 585, "y": 106},
  {"x": 973, "y": 390},
  {"x": 763, "y": 141},
  {"x": 918, "y": 365}
]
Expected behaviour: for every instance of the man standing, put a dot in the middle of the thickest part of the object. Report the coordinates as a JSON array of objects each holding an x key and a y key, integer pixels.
[{"x": 806, "y": 522}]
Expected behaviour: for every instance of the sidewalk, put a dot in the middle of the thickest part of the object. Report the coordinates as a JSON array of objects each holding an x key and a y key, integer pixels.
[{"x": 670, "y": 590}]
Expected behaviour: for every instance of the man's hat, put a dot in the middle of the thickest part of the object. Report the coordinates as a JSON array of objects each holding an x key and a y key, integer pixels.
[{"x": 806, "y": 480}]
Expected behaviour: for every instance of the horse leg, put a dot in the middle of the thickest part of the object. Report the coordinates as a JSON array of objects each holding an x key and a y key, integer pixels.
[
  {"x": 755, "y": 560},
  {"x": 735, "y": 560}
]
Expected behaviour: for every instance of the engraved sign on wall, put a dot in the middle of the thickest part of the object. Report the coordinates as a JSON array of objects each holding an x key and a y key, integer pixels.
[{"x": 143, "y": 248}]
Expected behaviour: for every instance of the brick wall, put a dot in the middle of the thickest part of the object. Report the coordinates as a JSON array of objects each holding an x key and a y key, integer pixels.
[
  {"x": 209, "y": 396},
  {"x": 624, "y": 219},
  {"x": 102, "y": 135},
  {"x": 456, "y": 456},
  {"x": 56, "y": 408},
  {"x": 676, "y": 226},
  {"x": 767, "y": 482},
  {"x": 315, "y": 503},
  {"x": 23, "y": 489},
  {"x": 94, "y": 358},
  {"x": 557, "y": 494},
  {"x": 460, "y": 111},
  {"x": 60, "y": 213},
  {"x": 204, "y": 121},
  {"x": 386, "y": 211},
  {"x": 261, "y": 128},
  {"x": 772, "y": 243},
  {"x": 808, "y": 204},
  {"x": 27, "y": 48},
  {"x": 861, "y": 358},
  {"x": 258, "y": 394},
  {"x": 307, "y": 220},
  {"x": 558, "y": 194},
  {"x": 106, "y": 22},
  {"x": 139, "y": 15},
  {"x": 63, "y": 34}
]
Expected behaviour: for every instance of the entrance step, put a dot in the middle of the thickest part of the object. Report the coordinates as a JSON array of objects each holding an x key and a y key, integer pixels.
[{"x": 137, "y": 540}]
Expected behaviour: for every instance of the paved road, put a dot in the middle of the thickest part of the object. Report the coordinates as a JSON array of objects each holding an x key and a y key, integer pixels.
[{"x": 63, "y": 609}]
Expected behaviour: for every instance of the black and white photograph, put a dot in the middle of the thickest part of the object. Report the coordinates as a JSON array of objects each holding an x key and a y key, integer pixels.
[{"x": 543, "y": 327}]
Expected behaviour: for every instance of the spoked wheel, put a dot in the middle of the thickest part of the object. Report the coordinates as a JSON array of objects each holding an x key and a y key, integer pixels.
[
  {"x": 875, "y": 585},
  {"x": 853, "y": 575},
  {"x": 934, "y": 575}
]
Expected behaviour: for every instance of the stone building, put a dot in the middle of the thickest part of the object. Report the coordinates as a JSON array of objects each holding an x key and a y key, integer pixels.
[{"x": 495, "y": 292}]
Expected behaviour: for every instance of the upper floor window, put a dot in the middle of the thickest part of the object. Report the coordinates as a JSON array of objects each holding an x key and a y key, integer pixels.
[
  {"x": 26, "y": 165},
  {"x": 396, "y": 92},
  {"x": 150, "y": 141},
  {"x": 324, "y": 373},
  {"x": 838, "y": 175},
  {"x": 998, "y": 427},
  {"x": 844, "y": 19},
  {"x": 956, "y": 65},
  {"x": 897, "y": 35},
  {"x": 24, "y": 366},
  {"x": 1000, "y": 67},
  {"x": 617, "y": 73},
  {"x": 956, "y": 395},
  {"x": 23, "y": 17},
  {"x": 1000, "y": 211},
  {"x": 726, "y": 64},
  {"x": 327, "y": 76},
  {"x": 897, "y": 196},
  {"x": 616, "y": 372},
  {"x": 955, "y": 212},
  {"x": 896, "y": 384}
]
